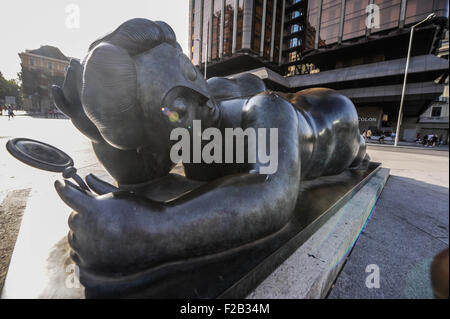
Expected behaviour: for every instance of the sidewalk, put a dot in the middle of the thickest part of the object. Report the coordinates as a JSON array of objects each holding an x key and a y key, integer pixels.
[
  {"x": 408, "y": 227},
  {"x": 409, "y": 145},
  {"x": 41, "y": 115}
]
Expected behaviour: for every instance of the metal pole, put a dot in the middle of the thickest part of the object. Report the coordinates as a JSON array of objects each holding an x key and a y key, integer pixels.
[
  {"x": 400, "y": 112},
  {"x": 207, "y": 46}
]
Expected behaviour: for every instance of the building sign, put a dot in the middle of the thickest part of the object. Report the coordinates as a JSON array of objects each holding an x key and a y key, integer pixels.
[{"x": 367, "y": 119}]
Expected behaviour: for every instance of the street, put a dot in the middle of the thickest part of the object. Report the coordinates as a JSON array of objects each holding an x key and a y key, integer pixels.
[
  {"x": 17, "y": 180},
  {"x": 408, "y": 227}
]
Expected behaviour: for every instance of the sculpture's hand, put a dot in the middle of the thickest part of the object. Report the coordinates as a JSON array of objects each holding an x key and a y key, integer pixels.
[{"x": 112, "y": 233}]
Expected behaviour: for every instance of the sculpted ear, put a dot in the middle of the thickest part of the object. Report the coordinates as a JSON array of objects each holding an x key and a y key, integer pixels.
[{"x": 109, "y": 96}]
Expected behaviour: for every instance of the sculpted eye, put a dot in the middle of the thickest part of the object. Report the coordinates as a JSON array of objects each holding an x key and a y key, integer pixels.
[{"x": 188, "y": 69}]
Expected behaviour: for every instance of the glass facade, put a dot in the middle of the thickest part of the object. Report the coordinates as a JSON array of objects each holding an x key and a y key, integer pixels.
[
  {"x": 417, "y": 10},
  {"x": 279, "y": 14},
  {"x": 216, "y": 29},
  {"x": 355, "y": 19},
  {"x": 268, "y": 29},
  {"x": 311, "y": 24},
  {"x": 228, "y": 28},
  {"x": 206, "y": 26},
  {"x": 240, "y": 24},
  {"x": 257, "y": 25},
  {"x": 299, "y": 33},
  {"x": 389, "y": 14},
  {"x": 329, "y": 23}
]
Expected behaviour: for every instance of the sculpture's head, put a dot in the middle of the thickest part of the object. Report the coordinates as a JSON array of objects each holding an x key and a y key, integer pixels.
[{"x": 138, "y": 85}]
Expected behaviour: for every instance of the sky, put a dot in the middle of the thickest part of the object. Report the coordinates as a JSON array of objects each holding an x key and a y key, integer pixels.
[{"x": 71, "y": 25}]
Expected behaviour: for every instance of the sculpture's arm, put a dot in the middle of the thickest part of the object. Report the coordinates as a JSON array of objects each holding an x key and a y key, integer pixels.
[{"x": 125, "y": 232}]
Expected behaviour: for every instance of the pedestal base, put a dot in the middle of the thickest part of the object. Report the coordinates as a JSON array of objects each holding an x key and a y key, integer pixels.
[{"x": 40, "y": 267}]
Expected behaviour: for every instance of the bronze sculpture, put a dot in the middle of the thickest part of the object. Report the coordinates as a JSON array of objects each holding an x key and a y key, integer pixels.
[{"x": 117, "y": 96}]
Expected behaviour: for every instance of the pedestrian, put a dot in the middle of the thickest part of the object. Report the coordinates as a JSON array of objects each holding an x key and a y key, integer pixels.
[
  {"x": 425, "y": 140},
  {"x": 364, "y": 135},
  {"x": 369, "y": 134},
  {"x": 434, "y": 140},
  {"x": 10, "y": 113},
  {"x": 418, "y": 139},
  {"x": 381, "y": 140},
  {"x": 429, "y": 140}
]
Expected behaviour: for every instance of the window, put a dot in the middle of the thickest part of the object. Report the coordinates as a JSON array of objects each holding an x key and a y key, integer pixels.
[
  {"x": 291, "y": 70},
  {"x": 293, "y": 56},
  {"x": 311, "y": 23},
  {"x": 50, "y": 65},
  {"x": 330, "y": 19},
  {"x": 31, "y": 62},
  {"x": 417, "y": 10},
  {"x": 355, "y": 19},
  {"x": 296, "y": 28},
  {"x": 296, "y": 14},
  {"x": 389, "y": 14},
  {"x": 295, "y": 42},
  {"x": 257, "y": 25},
  {"x": 436, "y": 111}
]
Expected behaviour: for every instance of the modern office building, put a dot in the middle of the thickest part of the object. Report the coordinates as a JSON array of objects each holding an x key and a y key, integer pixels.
[
  {"x": 357, "y": 47},
  {"x": 435, "y": 119}
]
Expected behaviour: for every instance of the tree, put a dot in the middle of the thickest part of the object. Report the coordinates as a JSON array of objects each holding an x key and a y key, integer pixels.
[{"x": 10, "y": 88}]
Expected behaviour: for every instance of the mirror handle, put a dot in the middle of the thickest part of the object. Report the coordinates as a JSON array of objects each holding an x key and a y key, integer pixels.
[{"x": 71, "y": 172}]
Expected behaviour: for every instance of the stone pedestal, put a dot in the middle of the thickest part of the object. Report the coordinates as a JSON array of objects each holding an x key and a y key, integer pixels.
[{"x": 301, "y": 261}]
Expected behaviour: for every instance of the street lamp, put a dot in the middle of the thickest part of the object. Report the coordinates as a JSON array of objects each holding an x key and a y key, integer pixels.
[{"x": 400, "y": 112}]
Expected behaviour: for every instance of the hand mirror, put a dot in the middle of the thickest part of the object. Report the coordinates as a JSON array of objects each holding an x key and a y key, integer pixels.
[{"x": 44, "y": 156}]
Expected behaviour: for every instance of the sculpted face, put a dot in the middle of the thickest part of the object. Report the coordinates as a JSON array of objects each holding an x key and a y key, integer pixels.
[
  {"x": 136, "y": 92},
  {"x": 171, "y": 89}
]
